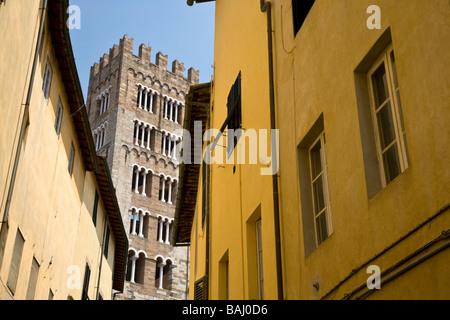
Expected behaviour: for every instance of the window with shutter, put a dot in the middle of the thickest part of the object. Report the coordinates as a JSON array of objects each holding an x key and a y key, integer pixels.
[
  {"x": 300, "y": 10},
  {"x": 71, "y": 159},
  {"x": 201, "y": 289},
  {"x": 15, "y": 262},
  {"x": 235, "y": 114},
  {"x": 58, "y": 119},
  {"x": 48, "y": 73},
  {"x": 32, "y": 282}
]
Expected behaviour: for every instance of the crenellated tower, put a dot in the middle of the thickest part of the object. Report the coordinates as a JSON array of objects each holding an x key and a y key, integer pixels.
[{"x": 135, "y": 107}]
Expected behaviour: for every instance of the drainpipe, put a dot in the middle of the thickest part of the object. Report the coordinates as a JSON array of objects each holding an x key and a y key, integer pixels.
[
  {"x": 25, "y": 116},
  {"x": 267, "y": 7}
]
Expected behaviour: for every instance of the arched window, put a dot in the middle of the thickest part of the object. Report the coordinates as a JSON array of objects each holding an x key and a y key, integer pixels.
[
  {"x": 163, "y": 273},
  {"x": 139, "y": 222},
  {"x": 142, "y": 181},
  {"x": 136, "y": 266}
]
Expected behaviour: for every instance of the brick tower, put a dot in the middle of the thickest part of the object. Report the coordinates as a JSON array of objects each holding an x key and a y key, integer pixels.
[{"x": 135, "y": 107}]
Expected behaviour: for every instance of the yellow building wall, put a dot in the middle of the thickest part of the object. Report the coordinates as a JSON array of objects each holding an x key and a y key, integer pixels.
[
  {"x": 52, "y": 209},
  {"x": 12, "y": 16},
  {"x": 237, "y": 198},
  {"x": 315, "y": 75}
]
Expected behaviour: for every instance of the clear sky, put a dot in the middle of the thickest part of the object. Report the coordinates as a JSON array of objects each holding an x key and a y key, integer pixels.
[{"x": 183, "y": 33}]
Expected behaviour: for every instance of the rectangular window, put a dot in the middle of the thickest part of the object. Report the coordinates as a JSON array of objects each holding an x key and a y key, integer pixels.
[
  {"x": 48, "y": 73},
  {"x": 259, "y": 260},
  {"x": 224, "y": 277},
  {"x": 300, "y": 10},
  {"x": 387, "y": 116},
  {"x": 15, "y": 262},
  {"x": 95, "y": 209},
  {"x": 234, "y": 107},
  {"x": 87, "y": 276},
  {"x": 71, "y": 159},
  {"x": 319, "y": 187},
  {"x": 3, "y": 236},
  {"x": 314, "y": 188},
  {"x": 32, "y": 282},
  {"x": 58, "y": 120},
  {"x": 106, "y": 250}
]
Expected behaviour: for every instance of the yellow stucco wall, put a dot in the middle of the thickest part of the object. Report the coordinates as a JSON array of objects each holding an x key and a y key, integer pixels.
[
  {"x": 236, "y": 197},
  {"x": 314, "y": 76},
  {"x": 51, "y": 208}
]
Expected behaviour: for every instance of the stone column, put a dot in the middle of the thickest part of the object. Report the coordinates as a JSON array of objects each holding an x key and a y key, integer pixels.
[
  {"x": 170, "y": 192},
  {"x": 151, "y": 102},
  {"x": 133, "y": 229},
  {"x": 143, "y": 135},
  {"x": 160, "y": 238},
  {"x": 133, "y": 268},
  {"x": 161, "y": 274},
  {"x": 176, "y": 113},
  {"x": 141, "y": 91},
  {"x": 141, "y": 225},
  {"x": 146, "y": 99},
  {"x": 163, "y": 190},
  {"x": 164, "y": 144},
  {"x": 136, "y": 189},
  {"x": 149, "y": 131},
  {"x": 144, "y": 184},
  {"x": 137, "y": 134},
  {"x": 167, "y": 232}
]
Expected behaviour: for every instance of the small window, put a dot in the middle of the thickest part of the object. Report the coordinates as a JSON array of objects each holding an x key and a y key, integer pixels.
[
  {"x": 234, "y": 106},
  {"x": 95, "y": 209},
  {"x": 300, "y": 10},
  {"x": 319, "y": 188},
  {"x": 48, "y": 73},
  {"x": 71, "y": 159},
  {"x": 15, "y": 262},
  {"x": 314, "y": 188},
  {"x": 387, "y": 116},
  {"x": 32, "y": 282},
  {"x": 87, "y": 277},
  {"x": 106, "y": 250},
  {"x": 58, "y": 120}
]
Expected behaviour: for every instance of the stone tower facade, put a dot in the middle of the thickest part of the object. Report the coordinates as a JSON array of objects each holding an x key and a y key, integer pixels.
[{"x": 135, "y": 108}]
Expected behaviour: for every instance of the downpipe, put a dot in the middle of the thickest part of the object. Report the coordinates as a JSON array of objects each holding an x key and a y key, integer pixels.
[{"x": 266, "y": 6}]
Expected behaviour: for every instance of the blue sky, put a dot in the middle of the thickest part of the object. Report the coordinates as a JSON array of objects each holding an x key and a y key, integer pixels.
[{"x": 170, "y": 26}]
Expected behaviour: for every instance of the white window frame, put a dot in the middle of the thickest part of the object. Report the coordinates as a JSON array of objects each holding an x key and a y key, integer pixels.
[
  {"x": 47, "y": 80},
  {"x": 325, "y": 183},
  {"x": 398, "y": 123}
]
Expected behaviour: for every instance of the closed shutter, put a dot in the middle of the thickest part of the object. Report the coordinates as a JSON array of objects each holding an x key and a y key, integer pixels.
[
  {"x": 32, "y": 282},
  {"x": 201, "y": 289},
  {"x": 15, "y": 262}
]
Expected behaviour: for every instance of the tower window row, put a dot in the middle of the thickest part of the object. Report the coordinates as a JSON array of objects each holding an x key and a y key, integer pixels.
[
  {"x": 142, "y": 184},
  {"x": 147, "y": 100},
  {"x": 136, "y": 269},
  {"x": 100, "y": 136},
  {"x": 103, "y": 101}
]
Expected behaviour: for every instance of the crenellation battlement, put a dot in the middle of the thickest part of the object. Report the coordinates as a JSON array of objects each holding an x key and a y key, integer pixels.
[{"x": 126, "y": 48}]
